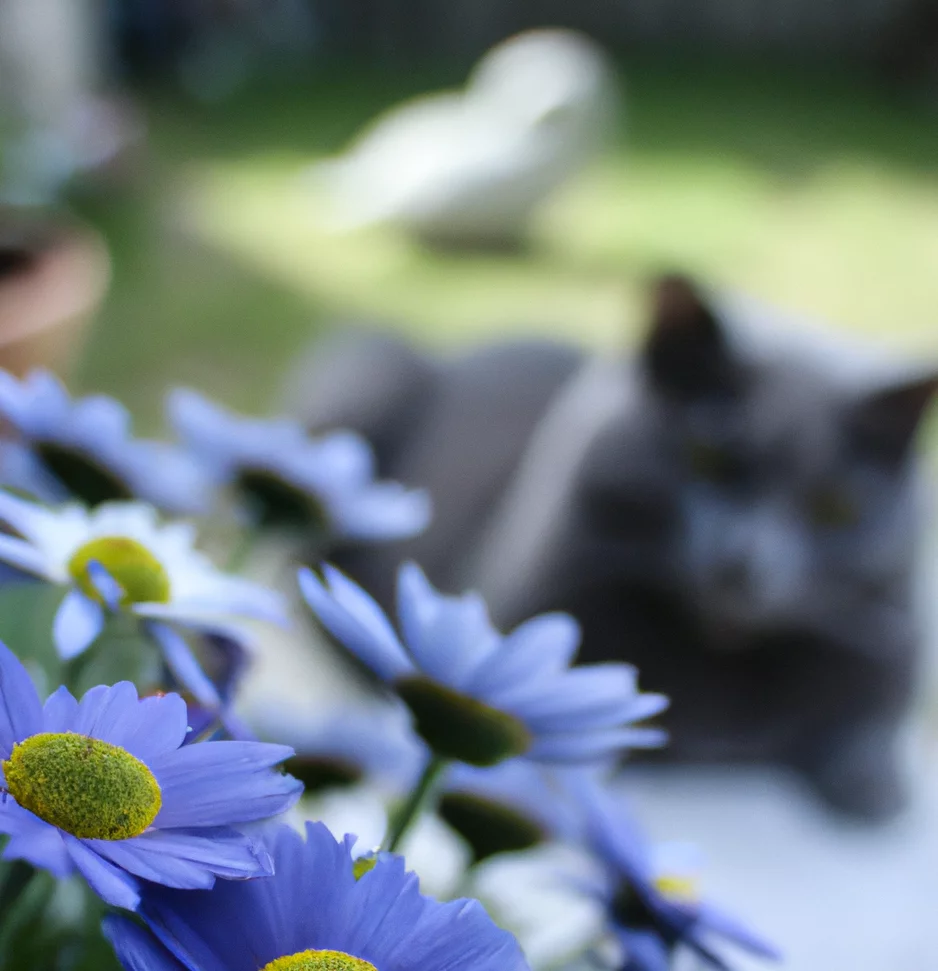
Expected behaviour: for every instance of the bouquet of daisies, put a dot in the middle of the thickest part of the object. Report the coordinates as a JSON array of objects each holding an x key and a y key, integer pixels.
[{"x": 155, "y": 821}]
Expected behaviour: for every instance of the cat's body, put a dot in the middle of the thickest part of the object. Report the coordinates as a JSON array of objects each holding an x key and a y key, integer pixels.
[{"x": 738, "y": 521}]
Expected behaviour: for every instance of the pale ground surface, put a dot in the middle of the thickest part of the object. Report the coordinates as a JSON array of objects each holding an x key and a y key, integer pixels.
[{"x": 835, "y": 897}]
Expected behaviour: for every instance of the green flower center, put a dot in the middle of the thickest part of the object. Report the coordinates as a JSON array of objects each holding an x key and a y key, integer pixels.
[
  {"x": 318, "y": 774},
  {"x": 489, "y": 827},
  {"x": 141, "y": 575},
  {"x": 458, "y": 727},
  {"x": 277, "y": 503},
  {"x": 319, "y": 961},
  {"x": 363, "y": 865},
  {"x": 89, "y": 788},
  {"x": 81, "y": 475}
]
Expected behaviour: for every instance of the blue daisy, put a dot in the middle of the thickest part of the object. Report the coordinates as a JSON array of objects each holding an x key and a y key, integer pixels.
[
  {"x": 288, "y": 478},
  {"x": 313, "y": 915},
  {"x": 120, "y": 558},
  {"x": 653, "y": 910},
  {"x": 105, "y": 787},
  {"x": 83, "y": 449},
  {"x": 476, "y": 695}
]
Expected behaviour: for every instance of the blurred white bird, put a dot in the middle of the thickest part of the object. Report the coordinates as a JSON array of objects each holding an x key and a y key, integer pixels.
[{"x": 469, "y": 168}]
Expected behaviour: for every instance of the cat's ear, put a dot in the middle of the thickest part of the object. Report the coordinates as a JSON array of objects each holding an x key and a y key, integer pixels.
[
  {"x": 884, "y": 422},
  {"x": 686, "y": 353}
]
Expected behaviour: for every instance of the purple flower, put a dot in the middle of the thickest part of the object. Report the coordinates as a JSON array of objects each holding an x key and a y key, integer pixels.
[
  {"x": 289, "y": 478},
  {"x": 313, "y": 913},
  {"x": 652, "y": 913},
  {"x": 479, "y": 696},
  {"x": 104, "y": 786}
]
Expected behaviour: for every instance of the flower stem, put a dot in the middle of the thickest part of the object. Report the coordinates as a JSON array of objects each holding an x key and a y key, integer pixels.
[
  {"x": 241, "y": 551},
  {"x": 417, "y": 802}
]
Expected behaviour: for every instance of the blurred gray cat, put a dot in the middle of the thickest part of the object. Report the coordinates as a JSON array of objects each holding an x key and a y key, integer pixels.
[{"x": 735, "y": 515}]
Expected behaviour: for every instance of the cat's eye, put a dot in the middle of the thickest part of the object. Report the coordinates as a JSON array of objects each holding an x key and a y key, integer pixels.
[
  {"x": 716, "y": 464},
  {"x": 832, "y": 508}
]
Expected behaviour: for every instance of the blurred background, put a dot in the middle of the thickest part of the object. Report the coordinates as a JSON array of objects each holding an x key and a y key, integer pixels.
[{"x": 787, "y": 149}]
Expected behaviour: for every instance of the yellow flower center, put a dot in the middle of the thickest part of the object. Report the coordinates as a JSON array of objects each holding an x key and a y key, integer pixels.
[
  {"x": 89, "y": 788},
  {"x": 319, "y": 961},
  {"x": 140, "y": 574},
  {"x": 678, "y": 887},
  {"x": 363, "y": 865}
]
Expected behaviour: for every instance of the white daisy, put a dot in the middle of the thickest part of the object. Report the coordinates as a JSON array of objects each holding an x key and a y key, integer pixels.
[
  {"x": 83, "y": 448},
  {"x": 289, "y": 478},
  {"x": 120, "y": 557}
]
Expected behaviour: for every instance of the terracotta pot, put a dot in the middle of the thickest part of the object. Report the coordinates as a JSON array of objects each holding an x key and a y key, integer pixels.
[{"x": 53, "y": 277}]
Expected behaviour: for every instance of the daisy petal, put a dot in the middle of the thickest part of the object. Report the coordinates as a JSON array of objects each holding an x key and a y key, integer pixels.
[
  {"x": 78, "y": 621},
  {"x": 547, "y": 642},
  {"x": 217, "y": 783},
  {"x": 386, "y": 511},
  {"x": 110, "y": 590},
  {"x": 20, "y": 710},
  {"x": 110, "y": 883},
  {"x": 188, "y": 860},
  {"x": 714, "y": 921},
  {"x": 136, "y": 948},
  {"x": 586, "y": 747},
  {"x": 22, "y": 556},
  {"x": 356, "y": 621},
  {"x": 183, "y": 664},
  {"x": 147, "y": 728},
  {"x": 27, "y": 518},
  {"x": 644, "y": 951},
  {"x": 59, "y": 711},
  {"x": 449, "y": 637},
  {"x": 32, "y": 839}
]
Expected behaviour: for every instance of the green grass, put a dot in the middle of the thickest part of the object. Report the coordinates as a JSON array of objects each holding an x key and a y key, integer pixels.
[{"x": 814, "y": 190}]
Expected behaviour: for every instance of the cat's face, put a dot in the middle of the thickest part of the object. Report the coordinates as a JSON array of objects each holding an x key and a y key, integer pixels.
[{"x": 795, "y": 492}]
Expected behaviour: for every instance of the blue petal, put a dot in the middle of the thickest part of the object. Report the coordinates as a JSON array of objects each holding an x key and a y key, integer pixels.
[
  {"x": 547, "y": 643},
  {"x": 32, "y": 839},
  {"x": 20, "y": 710},
  {"x": 136, "y": 948},
  {"x": 644, "y": 951},
  {"x": 354, "y": 619},
  {"x": 59, "y": 711},
  {"x": 205, "y": 427},
  {"x": 113, "y": 885},
  {"x": 78, "y": 621},
  {"x": 243, "y": 925},
  {"x": 14, "y": 405},
  {"x": 713, "y": 921},
  {"x": 590, "y": 746},
  {"x": 110, "y": 590},
  {"x": 451, "y": 638},
  {"x": 183, "y": 664},
  {"x": 147, "y": 728},
  {"x": 104, "y": 417},
  {"x": 384, "y": 511},
  {"x": 582, "y": 699},
  {"x": 395, "y": 927},
  {"x": 169, "y": 478},
  {"x": 188, "y": 860},
  {"x": 115, "y": 714},
  {"x": 219, "y": 783}
]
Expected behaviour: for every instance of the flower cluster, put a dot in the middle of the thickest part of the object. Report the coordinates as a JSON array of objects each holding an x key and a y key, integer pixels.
[{"x": 140, "y": 780}]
